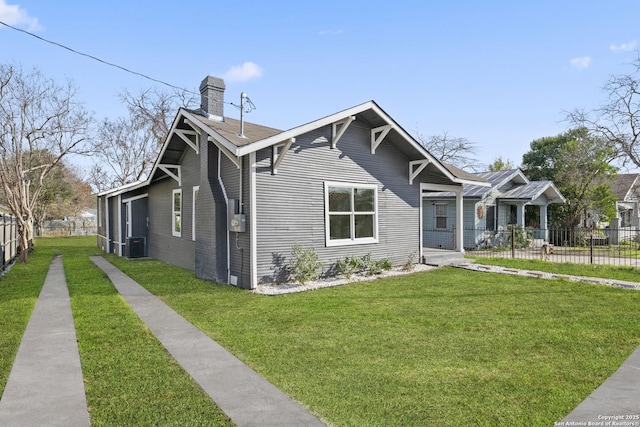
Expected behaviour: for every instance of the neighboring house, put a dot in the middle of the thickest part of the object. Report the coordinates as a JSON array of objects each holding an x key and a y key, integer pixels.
[
  {"x": 627, "y": 189},
  {"x": 229, "y": 199},
  {"x": 4, "y": 210},
  {"x": 488, "y": 209}
]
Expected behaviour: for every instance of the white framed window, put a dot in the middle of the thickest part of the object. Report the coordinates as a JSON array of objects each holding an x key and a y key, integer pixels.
[
  {"x": 441, "y": 210},
  {"x": 176, "y": 214},
  {"x": 196, "y": 189},
  {"x": 351, "y": 213}
]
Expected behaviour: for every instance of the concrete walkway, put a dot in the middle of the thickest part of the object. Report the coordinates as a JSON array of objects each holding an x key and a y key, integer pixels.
[
  {"x": 45, "y": 386},
  {"x": 246, "y": 397}
]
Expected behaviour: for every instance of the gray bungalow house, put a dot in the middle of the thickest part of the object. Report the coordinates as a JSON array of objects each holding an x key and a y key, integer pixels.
[
  {"x": 627, "y": 189},
  {"x": 487, "y": 209},
  {"x": 229, "y": 199}
]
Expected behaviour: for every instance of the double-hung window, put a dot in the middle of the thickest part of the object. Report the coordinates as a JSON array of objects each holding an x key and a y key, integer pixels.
[
  {"x": 176, "y": 214},
  {"x": 350, "y": 213},
  {"x": 441, "y": 216}
]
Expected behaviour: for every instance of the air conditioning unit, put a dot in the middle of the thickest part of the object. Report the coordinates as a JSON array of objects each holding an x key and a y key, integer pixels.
[{"x": 136, "y": 247}]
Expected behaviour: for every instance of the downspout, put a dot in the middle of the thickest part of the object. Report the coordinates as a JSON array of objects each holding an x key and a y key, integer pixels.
[
  {"x": 253, "y": 210},
  {"x": 107, "y": 225},
  {"x": 119, "y": 204},
  {"x": 420, "y": 236},
  {"x": 226, "y": 203}
]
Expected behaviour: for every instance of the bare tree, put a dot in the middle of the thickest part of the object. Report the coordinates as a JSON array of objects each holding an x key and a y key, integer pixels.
[
  {"x": 40, "y": 123},
  {"x": 156, "y": 109},
  {"x": 126, "y": 148},
  {"x": 459, "y": 152},
  {"x": 124, "y": 152},
  {"x": 617, "y": 121}
]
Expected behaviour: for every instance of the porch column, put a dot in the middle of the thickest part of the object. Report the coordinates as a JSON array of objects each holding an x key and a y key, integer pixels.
[
  {"x": 635, "y": 217},
  {"x": 459, "y": 221},
  {"x": 520, "y": 215},
  {"x": 543, "y": 222}
]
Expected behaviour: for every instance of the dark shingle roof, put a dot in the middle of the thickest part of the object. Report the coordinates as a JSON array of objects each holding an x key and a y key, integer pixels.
[
  {"x": 230, "y": 129},
  {"x": 623, "y": 183}
]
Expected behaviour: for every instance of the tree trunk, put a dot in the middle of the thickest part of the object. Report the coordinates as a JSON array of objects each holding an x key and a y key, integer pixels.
[{"x": 25, "y": 241}]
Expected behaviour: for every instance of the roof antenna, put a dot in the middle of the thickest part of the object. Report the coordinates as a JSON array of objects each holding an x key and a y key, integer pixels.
[{"x": 246, "y": 106}]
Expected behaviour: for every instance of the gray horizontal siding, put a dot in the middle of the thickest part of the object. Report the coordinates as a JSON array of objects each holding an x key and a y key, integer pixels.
[
  {"x": 162, "y": 245},
  {"x": 291, "y": 204}
]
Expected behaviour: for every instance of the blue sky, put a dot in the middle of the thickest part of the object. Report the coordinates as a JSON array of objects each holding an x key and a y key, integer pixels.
[{"x": 499, "y": 73}]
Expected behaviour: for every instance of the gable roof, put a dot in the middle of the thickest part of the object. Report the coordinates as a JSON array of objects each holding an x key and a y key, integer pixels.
[
  {"x": 533, "y": 190},
  {"x": 625, "y": 185},
  {"x": 225, "y": 134},
  {"x": 522, "y": 190}
]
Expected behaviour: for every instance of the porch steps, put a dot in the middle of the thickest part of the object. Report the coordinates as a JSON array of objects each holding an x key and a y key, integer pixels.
[{"x": 441, "y": 257}]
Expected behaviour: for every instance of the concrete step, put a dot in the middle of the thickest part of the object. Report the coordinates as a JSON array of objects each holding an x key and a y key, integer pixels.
[{"x": 440, "y": 257}]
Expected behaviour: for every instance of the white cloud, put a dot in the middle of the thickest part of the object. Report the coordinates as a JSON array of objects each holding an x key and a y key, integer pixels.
[
  {"x": 581, "y": 63},
  {"x": 623, "y": 47},
  {"x": 13, "y": 14},
  {"x": 242, "y": 73},
  {"x": 330, "y": 33}
]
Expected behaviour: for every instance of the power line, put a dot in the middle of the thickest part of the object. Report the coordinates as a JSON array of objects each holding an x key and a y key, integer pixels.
[{"x": 96, "y": 59}]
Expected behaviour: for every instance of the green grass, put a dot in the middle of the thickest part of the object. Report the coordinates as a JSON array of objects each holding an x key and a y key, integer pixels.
[
  {"x": 447, "y": 347},
  {"x": 631, "y": 274},
  {"x": 130, "y": 379}
]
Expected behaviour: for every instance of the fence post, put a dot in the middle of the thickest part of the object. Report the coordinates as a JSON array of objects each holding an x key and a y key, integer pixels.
[
  {"x": 513, "y": 242},
  {"x": 453, "y": 237},
  {"x": 591, "y": 246}
]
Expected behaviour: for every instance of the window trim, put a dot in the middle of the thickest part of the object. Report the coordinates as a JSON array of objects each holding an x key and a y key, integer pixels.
[
  {"x": 436, "y": 216},
  {"x": 353, "y": 240},
  {"x": 194, "y": 197},
  {"x": 174, "y": 212}
]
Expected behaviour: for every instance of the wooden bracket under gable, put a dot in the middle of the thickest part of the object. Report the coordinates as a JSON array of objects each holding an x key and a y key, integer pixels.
[
  {"x": 168, "y": 170},
  {"x": 184, "y": 135},
  {"x": 278, "y": 155},
  {"x": 375, "y": 141},
  {"x": 414, "y": 173},
  {"x": 337, "y": 134}
]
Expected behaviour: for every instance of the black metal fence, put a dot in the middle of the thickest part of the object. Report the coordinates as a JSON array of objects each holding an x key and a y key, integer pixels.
[
  {"x": 592, "y": 245},
  {"x": 8, "y": 239}
]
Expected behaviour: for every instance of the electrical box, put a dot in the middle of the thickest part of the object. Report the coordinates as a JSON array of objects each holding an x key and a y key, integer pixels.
[{"x": 237, "y": 221}]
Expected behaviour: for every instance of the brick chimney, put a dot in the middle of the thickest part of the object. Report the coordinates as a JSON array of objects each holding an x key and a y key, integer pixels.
[{"x": 212, "y": 96}]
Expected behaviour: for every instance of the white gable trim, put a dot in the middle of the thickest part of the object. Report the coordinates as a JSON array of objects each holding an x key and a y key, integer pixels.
[
  {"x": 167, "y": 169},
  {"x": 337, "y": 134}
]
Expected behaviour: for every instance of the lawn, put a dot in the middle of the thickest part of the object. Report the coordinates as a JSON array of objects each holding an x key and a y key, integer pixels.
[
  {"x": 129, "y": 377},
  {"x": 445, "y": 347},
  {"x": 631, "y": 274}
]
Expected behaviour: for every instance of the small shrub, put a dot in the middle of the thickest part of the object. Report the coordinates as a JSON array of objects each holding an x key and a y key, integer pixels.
[
  {"x": 387, "y": 264},
  {"x": 378, "y": 266},
  {"x": 304, "y": 264},
  {"x": 409, "y": 265},
  {"x": 350, "y": 265}
]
